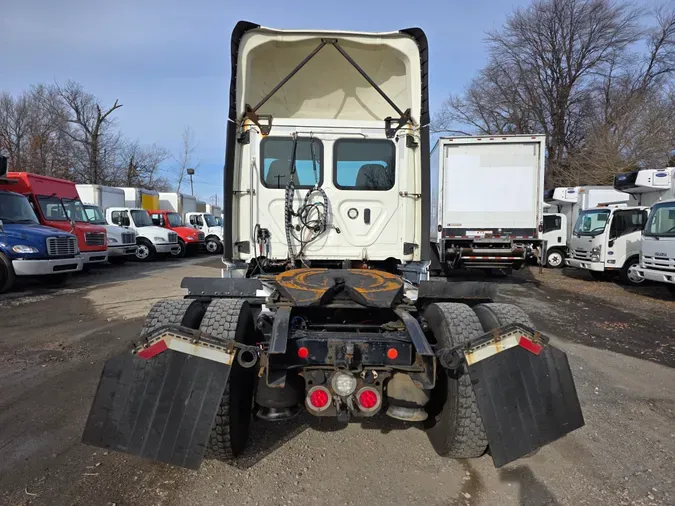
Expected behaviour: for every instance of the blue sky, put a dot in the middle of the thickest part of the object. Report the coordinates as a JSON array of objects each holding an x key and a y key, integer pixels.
[{"x": 168, "y": 60}]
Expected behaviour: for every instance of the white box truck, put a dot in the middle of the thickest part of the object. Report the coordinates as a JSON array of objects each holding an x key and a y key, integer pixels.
[
  {"x": 487, "y": 200},
  {"x": 96, "y": 198},
  {"x": 565, "y": 205},
  {"x": 141, "y": 198},
  {"x": 606, "y": 238},
  {"x": 655, "y": 188},
  {"x": 177, "y": 202}
]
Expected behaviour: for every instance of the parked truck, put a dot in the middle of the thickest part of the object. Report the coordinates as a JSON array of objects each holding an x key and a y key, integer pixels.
[
  {"x": 96, "y": 198},
  {"x": 488, "y": 213},
  {"x": 208, "y": 225},
  {"x": 566, "y": 204},
  {"x": 216, "y": 212},
  {"x": 30, "y": 249},
  {"x": 57, "y": 204},
  {"x": 657, "y": 244},
  {"x": 190, "y": 241},
  {"x": 151, "y": 240},
  {"x": 324, "y": 304}
]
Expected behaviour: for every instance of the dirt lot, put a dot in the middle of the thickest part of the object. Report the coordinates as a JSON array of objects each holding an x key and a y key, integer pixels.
[{"x": 621, "y": 345}]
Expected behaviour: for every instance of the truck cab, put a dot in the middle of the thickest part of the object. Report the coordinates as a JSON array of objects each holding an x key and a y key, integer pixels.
[
  {"x": 150, "y": 239},
  {"x": 606, "y": 241},
  {"x": 30, "y": 249},
  {"x": 213, "y": 233},
  {"x": 121, "y": 241},
  {"x": 555, "y": 235},
  {"x": 57, "y": 204},
  {"x": 657, "y": 248},
  {"x": 190, "y": 240}
]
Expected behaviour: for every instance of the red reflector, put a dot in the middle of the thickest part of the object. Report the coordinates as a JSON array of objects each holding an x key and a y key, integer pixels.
[
  {"x": 318, "y": 398},
  {"x": 153, "y": 350},
  {"x": 303, "y": 352},
  {"x": 368, "y": 399},
  {"x": 392, "y": 353},
  {"x": 535, "y": 348}
]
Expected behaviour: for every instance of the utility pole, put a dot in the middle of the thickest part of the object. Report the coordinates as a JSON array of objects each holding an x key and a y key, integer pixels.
[{"x": 190, "y": 173}]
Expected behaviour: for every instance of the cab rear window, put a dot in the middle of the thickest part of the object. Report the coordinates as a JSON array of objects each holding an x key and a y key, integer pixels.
[
  {"x": 276, "y": 154},
  {"x": 364, "y": 164}
]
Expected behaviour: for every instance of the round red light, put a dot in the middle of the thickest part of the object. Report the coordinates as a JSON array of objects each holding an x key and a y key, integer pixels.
[
  {"x": 392, "y": 353},
  {"x": 368, "y": 399},
  {"x": 318, "y": 398},
  {"x": 303, "y": 352}
]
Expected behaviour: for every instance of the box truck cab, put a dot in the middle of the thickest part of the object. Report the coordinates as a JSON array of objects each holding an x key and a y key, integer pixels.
[
  {"x": 190, "y": 240},
  {"x": 606, "y": 241},
  {"x": 97, "y": 198},
  {"x": 656, "y": 188},
  {"x": 57, "y": 204},
  {"x": 150, "y": 239},
  {"x": 207, "y": 224},
  {"x": 30, "y": 249},
  {"x": 555, "y": 235}
]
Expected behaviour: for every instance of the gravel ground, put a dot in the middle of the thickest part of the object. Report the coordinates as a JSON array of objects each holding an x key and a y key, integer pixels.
[{"x": 620, "y": 344}]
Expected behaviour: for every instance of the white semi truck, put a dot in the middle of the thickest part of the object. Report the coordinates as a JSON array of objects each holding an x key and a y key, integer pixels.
[
  {"x": 487, "y": 200},
  {"x": 121, "y": 241},
  {"x": 565, "y": 205},
  {"x": 657, "y": 244},
  {"x": 606, "y": 238}
]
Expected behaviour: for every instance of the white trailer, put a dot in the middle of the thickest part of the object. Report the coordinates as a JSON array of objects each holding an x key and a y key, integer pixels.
[
  {"x": 101, "y": 196},
  {"x": 487, "y": 200},
  {"x": 201, "y": 206},
  {"x": 141, "y": 198},
  {"x": 177, "y": 202}
]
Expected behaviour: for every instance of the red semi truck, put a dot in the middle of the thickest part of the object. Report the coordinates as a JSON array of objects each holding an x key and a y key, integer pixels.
[
  {"x": 190, "y": 239},
  {"x": 57, "y": 204}
]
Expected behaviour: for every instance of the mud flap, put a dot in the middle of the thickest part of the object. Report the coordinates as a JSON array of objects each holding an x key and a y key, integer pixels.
[
  {"x": 526, "y": 400},
  {"x": 161, "y": 409}
]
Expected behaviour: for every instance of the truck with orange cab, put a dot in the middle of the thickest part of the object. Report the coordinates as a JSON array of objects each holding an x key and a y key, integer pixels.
[
  {"x": 190, "y": 240},
  {"x": 57, "y": 204}
]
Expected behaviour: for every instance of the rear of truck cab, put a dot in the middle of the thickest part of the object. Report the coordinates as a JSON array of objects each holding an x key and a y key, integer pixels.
[{"x": 57, "y": 204}]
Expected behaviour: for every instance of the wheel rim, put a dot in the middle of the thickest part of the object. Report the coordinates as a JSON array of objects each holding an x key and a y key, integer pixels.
[
  {"x": 633, "y": 275},
  {"x": 211, "y": 246},
  {"x": 142, "y": 252},
  {"x": 555, "y": 259},
  {"x": 180, "y": 250}
]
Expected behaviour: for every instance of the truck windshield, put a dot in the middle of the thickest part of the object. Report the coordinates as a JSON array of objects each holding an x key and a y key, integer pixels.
[
  {"x": 210, "y": 220},
  {"x": 95, "y": 215},
  {"x": 219, "y": 221},
  {"x": 75, "y": 210},
  {"x": 661, "y": 221},
  {"x": 16, "y": 209},
  {"x": 141, "y": 218},
  {"x": 174, "y": 219},
  {"x": 52, "y": 208},
  {"x": 591, "y": 222}
]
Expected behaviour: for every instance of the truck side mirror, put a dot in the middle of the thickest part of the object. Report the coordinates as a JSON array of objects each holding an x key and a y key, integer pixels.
[
  {"x": 610, "y": 243},
  {"x": 125, "y": 221}
]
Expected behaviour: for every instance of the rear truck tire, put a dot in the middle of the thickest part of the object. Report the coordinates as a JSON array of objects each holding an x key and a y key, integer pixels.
[
  {"x": 626, "y": 275},
  {"x": 555, "y": 258},
  {"x": 145, "y": 251},
  {"x": 117, "y": 260},
  {"x": 182, "y": 251},
  {"x": 185, "y": 312},
  {"x": 7, "y": 275},
  {"x": 213, "y": 245},
  {"x": 231, "y": 319},
  {"x": 454, "y": 426}
]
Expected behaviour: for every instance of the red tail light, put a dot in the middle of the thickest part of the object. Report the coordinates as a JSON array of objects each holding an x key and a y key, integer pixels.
[
  {"x": 318, "y": 398},
  {"x": 369, "y": 399}
]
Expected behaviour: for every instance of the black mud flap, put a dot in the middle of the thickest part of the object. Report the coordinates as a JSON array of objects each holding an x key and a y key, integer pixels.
[
  {"x": 161, "y": 409},
  {"x": 526, "y": 400}
]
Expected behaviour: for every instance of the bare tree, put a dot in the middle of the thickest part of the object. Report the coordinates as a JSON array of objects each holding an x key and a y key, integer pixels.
[
  {"x": 139, "y": 166},
  {"x": 14, "y": 128},
  {"x": 89, "y": 122},
  {"x": 184, "y": 158}
]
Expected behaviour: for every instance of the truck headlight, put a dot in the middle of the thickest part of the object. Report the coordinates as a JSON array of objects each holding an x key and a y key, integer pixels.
[
  {"x": 22, "y": 248},
  {"x": 595, "y": 253},
  {"x": 160, "y": 239},
  {"x": 112, "y": 240},
  {"x": 190, "y": 238}
]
